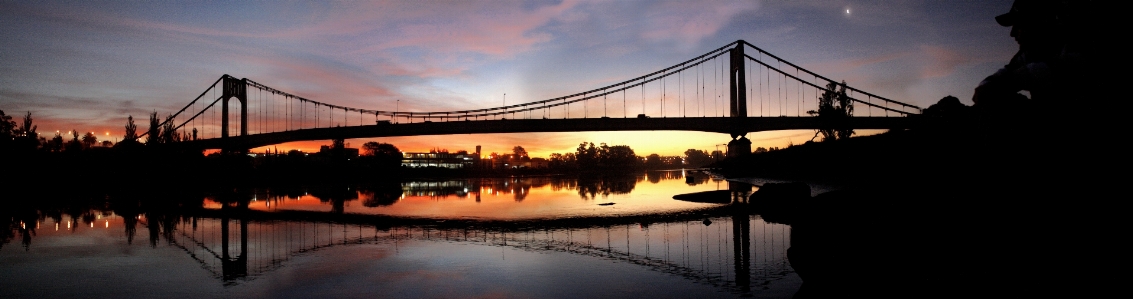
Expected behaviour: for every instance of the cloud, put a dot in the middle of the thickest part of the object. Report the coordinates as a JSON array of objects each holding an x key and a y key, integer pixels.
[
  {"x": 941, "y": 62},
  {"x": 686, "y": 23},
  {"x": 442, "y": 38}
]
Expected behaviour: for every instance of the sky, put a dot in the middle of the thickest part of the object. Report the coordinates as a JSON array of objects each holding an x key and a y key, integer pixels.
[{"x": 87, "y": 65}]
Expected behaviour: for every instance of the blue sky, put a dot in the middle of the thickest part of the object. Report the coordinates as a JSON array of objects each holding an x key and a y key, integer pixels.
[{"x": 86, "y": 65}]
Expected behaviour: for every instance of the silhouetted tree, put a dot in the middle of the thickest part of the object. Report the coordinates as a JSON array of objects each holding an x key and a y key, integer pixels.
[
  {"x": 89, "y": 140},
  {"x": 558, "y": 160},
  {"x": 55, "y": 144},
  {"x": 834, "y": 108},
  {"x": 717, "y": 155},
  {"x": 153, "y": 135},
  {"x": 653, "y": 161},
  {"x": 131, "y": 130},
  {"x": 74, "y": 145},
  {"x": 383, "y": 154},
  {"x": 168, "y": 133},
  {"x": 26, "y": 137},
  {"x": 618, "y": 156},
  {"x": 697, "y": 158},
  {"x": 587, "y": 156},
  {"x": 7, "y": 130},
  {"x": 845, "y": 111},
  {"x": 382, "y": 194},
  {"x": 519, "y": 153}
]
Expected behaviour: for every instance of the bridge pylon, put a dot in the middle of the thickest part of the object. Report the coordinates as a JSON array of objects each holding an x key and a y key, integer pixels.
[
  {"x": 233, "y": 88},
  {"x": 738, "y": 96},
  {"x": 738, "y": 85}
]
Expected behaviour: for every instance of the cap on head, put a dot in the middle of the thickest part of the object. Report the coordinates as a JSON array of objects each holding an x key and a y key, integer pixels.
[{"x": 1027, "y": 11}]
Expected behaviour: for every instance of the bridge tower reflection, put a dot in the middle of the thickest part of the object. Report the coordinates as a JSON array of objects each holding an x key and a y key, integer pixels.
[
  {"x": 741, "y": 242},
  {"x": 232, "y": 268},
  {"x": 695, "y": 248}
]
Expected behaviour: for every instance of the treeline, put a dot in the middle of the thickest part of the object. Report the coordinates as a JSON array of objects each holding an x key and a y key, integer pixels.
[
  {"x": 22, "y": 137},
  {"x": 587, "y": 156}
]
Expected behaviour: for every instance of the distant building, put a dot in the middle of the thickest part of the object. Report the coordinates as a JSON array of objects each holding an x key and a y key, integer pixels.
[
  {"x": 534, "y": 163},
  {"x": 443, "y": 160}
]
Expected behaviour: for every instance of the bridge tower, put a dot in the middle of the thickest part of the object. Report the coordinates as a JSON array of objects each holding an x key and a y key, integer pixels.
[
  {"x": 738, "y": 95},
  {"x": 234, "y": 88}
]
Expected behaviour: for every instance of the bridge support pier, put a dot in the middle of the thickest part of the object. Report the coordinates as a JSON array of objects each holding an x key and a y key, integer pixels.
[
  {"x": 740, "y": 146},
  {"x": 233, "y": 88}
]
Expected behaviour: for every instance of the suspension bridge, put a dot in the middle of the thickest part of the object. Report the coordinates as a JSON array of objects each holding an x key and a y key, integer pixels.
[{"x": 735, "y": 89}]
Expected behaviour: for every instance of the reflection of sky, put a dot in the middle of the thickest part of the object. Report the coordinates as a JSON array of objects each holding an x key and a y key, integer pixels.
[
  {"x": 86, "y": 66},
  {"x": 94, "y": 262},
  {"x": 404, "y": 262},
  {"x": 505, "y": 202}
]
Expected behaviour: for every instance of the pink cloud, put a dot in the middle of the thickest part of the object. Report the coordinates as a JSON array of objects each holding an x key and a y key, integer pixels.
[{"x": 941, "y": 62}]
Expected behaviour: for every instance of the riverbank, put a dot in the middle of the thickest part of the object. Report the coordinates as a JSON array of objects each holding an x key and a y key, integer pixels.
[{"x": 989, "y": 208}]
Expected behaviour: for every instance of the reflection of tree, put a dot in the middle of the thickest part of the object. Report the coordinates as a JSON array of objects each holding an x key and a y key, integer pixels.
[
  {"x": 129, "y": 209},
  {"x": 18, "y": 220},
  {"x": 693, "y": 180},
  {"x": 518, "y": 187},
  {"x": 383, "y": 194},
  {"x": 561, "y": 183},
  {"x": 590, "y": 187},
  {"x": 657, "y": 176},
  {"x": 336, "y": 195}
]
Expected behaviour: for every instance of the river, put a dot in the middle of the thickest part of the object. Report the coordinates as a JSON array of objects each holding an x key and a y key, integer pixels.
[{"x": 528, "y": 237}]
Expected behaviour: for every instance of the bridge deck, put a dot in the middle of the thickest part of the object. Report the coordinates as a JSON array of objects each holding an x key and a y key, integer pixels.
[{"x": 724, "y": 125}]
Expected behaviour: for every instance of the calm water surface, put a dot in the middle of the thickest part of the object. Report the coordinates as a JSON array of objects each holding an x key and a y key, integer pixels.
[{"x": 193, "y": 252}]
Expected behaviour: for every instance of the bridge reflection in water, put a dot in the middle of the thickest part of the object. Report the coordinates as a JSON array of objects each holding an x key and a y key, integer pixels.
[{"x": 739, "y": 253}]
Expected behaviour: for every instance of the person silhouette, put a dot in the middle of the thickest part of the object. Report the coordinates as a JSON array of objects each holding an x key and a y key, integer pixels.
[{"x": 1045, "y": 59}]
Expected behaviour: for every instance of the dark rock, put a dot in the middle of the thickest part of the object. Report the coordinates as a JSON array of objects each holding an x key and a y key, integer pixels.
[{"x": 779, "y": 202}]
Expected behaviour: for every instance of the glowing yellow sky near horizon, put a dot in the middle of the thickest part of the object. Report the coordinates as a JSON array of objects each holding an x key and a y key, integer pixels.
[{"x": 665, "y": 143}]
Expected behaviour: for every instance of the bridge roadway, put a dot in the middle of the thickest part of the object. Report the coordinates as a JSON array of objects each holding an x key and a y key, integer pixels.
[{"x": 726, "y": 125}]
